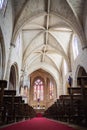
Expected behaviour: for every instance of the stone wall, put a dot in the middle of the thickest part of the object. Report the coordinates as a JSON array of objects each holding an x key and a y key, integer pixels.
[
  {"x": 16, "y": 57},
  {"x": 6, "y": 24},
  {"x": 80, "y": 61}
]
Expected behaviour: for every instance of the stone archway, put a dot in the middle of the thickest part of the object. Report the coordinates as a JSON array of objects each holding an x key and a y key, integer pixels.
[
  {"x": 47, "y": 83},
  {"x": 13, "y": 78},
  {"x": 81, "y": 77}
]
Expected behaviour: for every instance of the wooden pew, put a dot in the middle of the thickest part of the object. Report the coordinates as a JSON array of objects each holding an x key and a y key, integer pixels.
[
  {"x": 15, "y": 107},
  {"x": 82, "y": 81},
  {"x": 19, "y": 108},
  {"x": 55, "y": 111},
  {"x": 75, "y": 90},
  {"x": 64, "y": 110},
  {"x": 79, "y": 103},
  {"x": 9, "y": 105},
  {"x": 73, "y": 106},
  {"x": 69, "y": 107},
  {"x": 3, "y": 85},
  {"x": 29, "y": 111}
]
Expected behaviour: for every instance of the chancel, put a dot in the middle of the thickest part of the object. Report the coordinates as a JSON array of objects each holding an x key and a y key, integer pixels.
[{"x": 43, "y": 64}]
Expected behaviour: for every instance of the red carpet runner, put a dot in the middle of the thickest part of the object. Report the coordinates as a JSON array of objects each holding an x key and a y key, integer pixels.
[{"x": 38, "y": 124}]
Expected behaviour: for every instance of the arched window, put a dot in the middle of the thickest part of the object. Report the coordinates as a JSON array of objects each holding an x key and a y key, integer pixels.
[
  {"x": 38, "y": 90},
  {"x": 75, "y": 46},
  {"x": 51, "y": 90}
]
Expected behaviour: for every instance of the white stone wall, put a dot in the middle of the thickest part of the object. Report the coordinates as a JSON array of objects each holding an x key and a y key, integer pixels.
[
  {"x": 77, "y": 61},
  {"x": 16, "y": 57},
  {"x": 80, "y": 61},
  {"x": 6, "y": 24},
  {"x": 85, "y": 20}
]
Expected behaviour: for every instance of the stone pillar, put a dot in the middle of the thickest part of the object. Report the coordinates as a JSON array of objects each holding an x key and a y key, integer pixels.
[
  {"x": 9, "y": 64},
  {"x": 25, "y": 82},
  {"x": 58, "y": 88},
  {"x": 74, "y": 82}
]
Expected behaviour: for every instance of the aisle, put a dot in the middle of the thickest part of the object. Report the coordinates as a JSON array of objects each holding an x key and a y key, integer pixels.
[{"x": 38, "y": 124}]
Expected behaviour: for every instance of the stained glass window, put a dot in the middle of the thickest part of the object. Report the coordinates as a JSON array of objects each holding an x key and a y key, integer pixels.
[
  {"x": 38, "y": 90},
  {"x": 51, "y": 90}
]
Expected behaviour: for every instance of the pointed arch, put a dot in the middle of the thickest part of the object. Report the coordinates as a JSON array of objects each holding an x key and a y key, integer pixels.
[
  {"x": 13, "y": 78},
  {"x": 81, "y": 76}
]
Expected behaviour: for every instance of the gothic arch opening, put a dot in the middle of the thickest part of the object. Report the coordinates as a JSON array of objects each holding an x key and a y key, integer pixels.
[
  {"x": 81, "y": 77},
  {"x": 43, "y": 90},
  {"x": 2, "y": 56},
  {"x": 13, "y": 77}
]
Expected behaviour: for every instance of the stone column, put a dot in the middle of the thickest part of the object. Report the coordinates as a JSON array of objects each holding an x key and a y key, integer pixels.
[
  {"x": 74, "y": 82},
  {"x": 9, "y": 64}
]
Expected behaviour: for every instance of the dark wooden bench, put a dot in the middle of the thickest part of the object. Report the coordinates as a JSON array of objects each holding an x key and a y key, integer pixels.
[
  {"x": 75, "y": 90},
  {"x": 3, "y": 85},
  {"x": 8, "y": 103},
  {"x": 14, "y": 106}
]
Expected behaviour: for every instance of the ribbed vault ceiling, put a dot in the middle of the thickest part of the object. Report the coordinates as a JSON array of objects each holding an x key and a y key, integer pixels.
[{"x": 47, "y": 38}]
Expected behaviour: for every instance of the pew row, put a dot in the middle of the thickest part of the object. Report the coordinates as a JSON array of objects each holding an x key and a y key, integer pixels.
[
  {"x": 70, "y": 108},
  {"x": 12, "y": 107}
]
